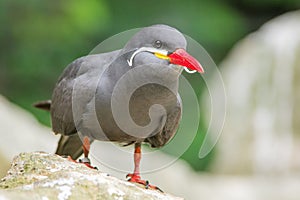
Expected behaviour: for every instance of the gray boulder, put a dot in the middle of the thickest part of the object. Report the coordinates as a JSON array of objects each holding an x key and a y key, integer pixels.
[{"x": 46, "y": 176}]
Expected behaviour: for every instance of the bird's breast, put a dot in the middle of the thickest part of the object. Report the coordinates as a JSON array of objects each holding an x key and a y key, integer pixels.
[{"x": 132, "y": 104}]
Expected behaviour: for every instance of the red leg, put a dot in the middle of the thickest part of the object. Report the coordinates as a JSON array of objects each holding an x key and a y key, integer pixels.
[
  {"x": 135, "y": 176},
  {"x": 137, "y": 159},
  {"x": 86, "y": 150},
  {"x": 86, "y": 146}
]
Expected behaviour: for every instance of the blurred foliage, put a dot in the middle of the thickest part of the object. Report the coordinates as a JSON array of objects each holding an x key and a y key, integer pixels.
[{"x": 39, "y": 38}]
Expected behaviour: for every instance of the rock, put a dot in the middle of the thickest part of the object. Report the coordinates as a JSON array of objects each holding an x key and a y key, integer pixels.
[
  {"x": 21, "y": 132},
  {"x": 45, "y": 176},
  {"x": 261, "y": 76}
]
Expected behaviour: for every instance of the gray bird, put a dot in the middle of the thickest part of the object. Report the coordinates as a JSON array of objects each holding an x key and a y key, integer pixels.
[{"x": 129, "y": 96}]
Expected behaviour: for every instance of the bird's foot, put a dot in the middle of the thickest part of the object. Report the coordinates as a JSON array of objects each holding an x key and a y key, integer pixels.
[
  {"x": 135, "y": 178},
  {"x": 86, "y": 161}
]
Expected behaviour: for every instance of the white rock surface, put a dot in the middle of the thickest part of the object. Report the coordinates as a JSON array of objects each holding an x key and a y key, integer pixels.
[
  {"x": 45, "y": 176},
  {"x": 261, "y": 75},
  {"x": 21, "y": 132}
]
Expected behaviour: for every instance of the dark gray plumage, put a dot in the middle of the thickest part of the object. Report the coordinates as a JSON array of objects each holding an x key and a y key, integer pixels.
[
  {"x": 128, "y": 96},
  {"x": 86, "y": 72}
]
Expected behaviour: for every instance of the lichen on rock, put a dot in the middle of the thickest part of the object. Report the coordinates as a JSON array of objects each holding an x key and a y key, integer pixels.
[{"x": 46, "y": 176}]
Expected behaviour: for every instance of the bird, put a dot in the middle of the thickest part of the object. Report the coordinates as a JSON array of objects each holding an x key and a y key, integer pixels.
[{"x": 129, "y": 96}]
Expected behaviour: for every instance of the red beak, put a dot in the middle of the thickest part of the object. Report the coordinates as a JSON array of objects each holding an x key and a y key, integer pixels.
[{"x": 181, "y": 57}]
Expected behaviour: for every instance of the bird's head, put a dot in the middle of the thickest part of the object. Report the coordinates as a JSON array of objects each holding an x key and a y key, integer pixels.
[{"x": 164, "y": 43}]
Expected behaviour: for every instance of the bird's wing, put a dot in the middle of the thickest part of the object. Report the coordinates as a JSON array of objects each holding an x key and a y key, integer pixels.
[
  {"x": 76, "y": 85},
  {"x": 169, "y": 129},
  {"x": 61, "y": 108}
]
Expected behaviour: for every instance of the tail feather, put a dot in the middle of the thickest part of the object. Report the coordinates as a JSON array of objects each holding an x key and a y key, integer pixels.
[
  {"x": 44, "y": 105},
  {"x": 70, "y": 145}
]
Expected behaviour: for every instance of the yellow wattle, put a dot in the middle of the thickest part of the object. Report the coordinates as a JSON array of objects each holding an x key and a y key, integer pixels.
[{"x": 161, "y": 56}]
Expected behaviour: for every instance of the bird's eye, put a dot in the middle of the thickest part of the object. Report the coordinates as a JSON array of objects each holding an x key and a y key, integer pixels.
[{"x": 157, "y": 43}]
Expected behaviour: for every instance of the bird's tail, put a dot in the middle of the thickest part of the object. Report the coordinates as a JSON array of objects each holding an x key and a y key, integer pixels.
[
  {"x": 44, "y": 105},
  {"x": 70, "y": 145}
]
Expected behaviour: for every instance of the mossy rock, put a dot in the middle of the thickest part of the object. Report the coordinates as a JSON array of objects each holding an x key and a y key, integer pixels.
[{"x": 46, "y": 176}]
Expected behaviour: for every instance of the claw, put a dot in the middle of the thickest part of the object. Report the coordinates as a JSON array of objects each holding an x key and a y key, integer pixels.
[
  {"x": 135, "y": 178},
  {"x": 85, "y": 161},
  {"x": 147, "y": 184}
]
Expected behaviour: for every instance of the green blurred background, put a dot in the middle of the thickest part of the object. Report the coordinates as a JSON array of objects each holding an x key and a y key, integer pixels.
[{"x": 39, "y": 38}]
